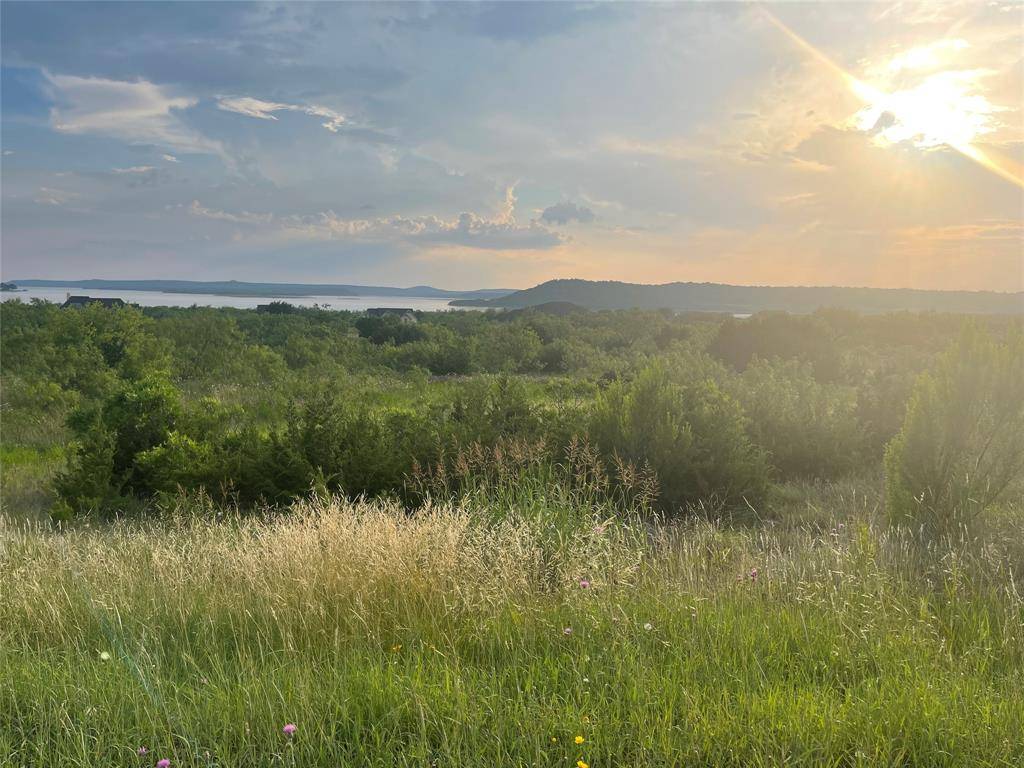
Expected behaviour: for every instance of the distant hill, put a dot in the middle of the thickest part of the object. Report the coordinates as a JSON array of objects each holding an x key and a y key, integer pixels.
[
  {"x": 741, "y": 299},
  {"x": 279, "y": 290}
]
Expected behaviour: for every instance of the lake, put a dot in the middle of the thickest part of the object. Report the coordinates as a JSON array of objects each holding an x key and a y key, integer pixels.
[{"x": 57, "y": 294}]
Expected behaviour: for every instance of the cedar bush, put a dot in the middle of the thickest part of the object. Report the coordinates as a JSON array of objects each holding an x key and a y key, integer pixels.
[{"x": 961, "y": 448}]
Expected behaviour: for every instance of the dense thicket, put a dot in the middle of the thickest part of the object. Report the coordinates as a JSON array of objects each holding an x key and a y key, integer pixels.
[
  {"x": 268, "y": 406},
  {"x": 961, "y": 447}
]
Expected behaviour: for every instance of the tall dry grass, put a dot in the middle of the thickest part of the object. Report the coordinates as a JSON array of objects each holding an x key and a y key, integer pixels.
[{"x": 448, "y": 636}]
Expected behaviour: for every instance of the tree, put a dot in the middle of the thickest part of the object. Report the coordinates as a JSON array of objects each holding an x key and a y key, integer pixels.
[
  {"x": 134, "y": 420},
  {"x": 961, "y": 447},
  {"x": 808, "y": 428},
  {"x": 507, "y": 348}
]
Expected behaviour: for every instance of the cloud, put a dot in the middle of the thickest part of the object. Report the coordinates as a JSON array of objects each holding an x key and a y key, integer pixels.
[
  {"x": 138, "y": 112},
  {"x": 470, "y": 230},
  {"x": 8, "y": 152},
  {"x": 142, "y": 175},
  {"x": 170, "y": 158},
  {"x": 563, "y": 213},
  {"x": 264, "y": 110},
  {"x": 529, "y": 22},
  {"x": 49, "y": 196},
  {"x": 135, "y": 169},
  {"x": 198, "y": 209},
  {"x": 250, "y": 107}
]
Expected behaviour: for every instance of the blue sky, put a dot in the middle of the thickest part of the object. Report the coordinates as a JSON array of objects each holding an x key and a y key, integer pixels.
[{"x": 471, "y": 145}]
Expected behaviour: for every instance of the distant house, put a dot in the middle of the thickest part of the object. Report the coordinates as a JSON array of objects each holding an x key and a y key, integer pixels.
[
  {"x": 404, "y": 314},
  {"x": 82, "y": 301}
]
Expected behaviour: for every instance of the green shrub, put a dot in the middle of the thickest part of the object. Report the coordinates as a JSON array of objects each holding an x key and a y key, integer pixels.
[
  {"x": 809, "y": 338},
  {"x": 808, "y": 429},
  {"x": 511, "y": 348},
  {"x": 962, "y": 443},
  {"x": 111, "y": 436},
  {"x": 689, "y": 431}
]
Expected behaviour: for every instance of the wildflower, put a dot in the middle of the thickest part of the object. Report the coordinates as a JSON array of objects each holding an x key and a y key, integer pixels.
[
  {"x": 581, "y": 764},
  {"x": 104, "y": 656},
  {"x": 289, "y": 729},
  {"x": 753, "y": 574},
  {"x": 396, "y": 647},
  {"x": 141, "y": 751},
  {"x": 163, "y": 763},
  {"x": 554, "y": 739},
  {"x": 648, "y": 626},
  {"x": 584, "y": 584},
  {"x": 566, "y": 631},
  {"x": 579, "y": 739}
]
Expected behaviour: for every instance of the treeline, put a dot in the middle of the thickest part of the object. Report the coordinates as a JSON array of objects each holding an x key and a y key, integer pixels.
[{"x": 268, "y": 406}]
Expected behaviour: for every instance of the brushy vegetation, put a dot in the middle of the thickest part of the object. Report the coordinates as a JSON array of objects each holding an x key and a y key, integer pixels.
[
  {"x": 962, "y": 445},
  {"x": 126, "y": 407},
  {"x": 605, "y": 539}
]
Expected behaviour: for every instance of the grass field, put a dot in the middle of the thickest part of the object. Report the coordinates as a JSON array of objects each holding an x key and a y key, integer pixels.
[{"x": 550, "y": 638}]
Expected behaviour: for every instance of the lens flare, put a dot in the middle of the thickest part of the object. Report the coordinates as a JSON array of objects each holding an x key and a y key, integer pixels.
[{"x": 942, "y": 110}]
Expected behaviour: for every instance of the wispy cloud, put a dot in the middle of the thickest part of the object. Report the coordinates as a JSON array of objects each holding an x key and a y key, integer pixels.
[
  {"x": 138, "y": 112},
  {"x": 470, "y": 230},
  {"x": 264, "y": 110},
  {"x": 135, "y": 169},
  {"x": 50, "y": 196}
]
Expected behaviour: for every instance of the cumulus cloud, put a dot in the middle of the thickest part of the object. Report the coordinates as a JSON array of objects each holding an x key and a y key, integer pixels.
[
  {"x": 139, "y": 112},
  {"x": 170, "y": 158},
  {"x": 467, "y": 229},
  {"x": 264, "y": 110},
  {"x": 564, "y": 213}
]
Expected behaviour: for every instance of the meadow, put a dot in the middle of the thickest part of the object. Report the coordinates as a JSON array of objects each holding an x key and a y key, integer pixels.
[{"x": 240, "y": 539}]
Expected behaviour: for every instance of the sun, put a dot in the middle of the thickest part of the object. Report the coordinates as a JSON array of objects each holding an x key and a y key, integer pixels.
[{"x": 944, "y": 109}]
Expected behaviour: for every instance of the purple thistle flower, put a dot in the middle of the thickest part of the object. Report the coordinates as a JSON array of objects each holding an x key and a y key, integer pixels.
[
  {"x": 141, "y": 751},
  {"x": 164, "y": 763},
  {"x": 584, "y": 583},
  {"x": 290, "y": 729}
]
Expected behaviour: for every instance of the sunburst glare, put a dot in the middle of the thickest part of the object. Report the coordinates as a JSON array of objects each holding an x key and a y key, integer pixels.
[{"x": 944, "y": 109}]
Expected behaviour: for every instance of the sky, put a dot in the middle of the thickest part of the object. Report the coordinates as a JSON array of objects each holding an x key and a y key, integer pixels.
[{"x": 501, "y": 145}]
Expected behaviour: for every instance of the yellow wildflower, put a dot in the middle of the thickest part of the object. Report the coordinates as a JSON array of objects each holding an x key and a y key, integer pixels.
[
  {"x": 581, "y": 764},
  {"x": 580, "y": 739}
]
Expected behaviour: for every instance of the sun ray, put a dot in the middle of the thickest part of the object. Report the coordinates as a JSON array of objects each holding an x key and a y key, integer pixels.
[{"x": 1003, "y": 167}]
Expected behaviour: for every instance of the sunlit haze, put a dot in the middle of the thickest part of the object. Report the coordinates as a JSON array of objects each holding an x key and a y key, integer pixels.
[{"x": 874, "y": 144}]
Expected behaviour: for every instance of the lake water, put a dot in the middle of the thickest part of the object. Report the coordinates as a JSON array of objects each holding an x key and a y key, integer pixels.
[{"x": 57, "y": 294}]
